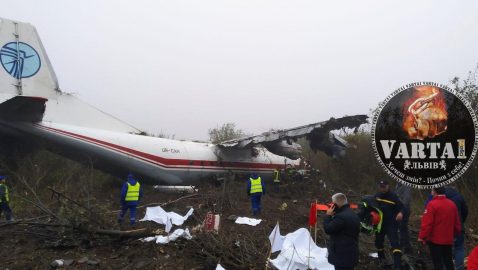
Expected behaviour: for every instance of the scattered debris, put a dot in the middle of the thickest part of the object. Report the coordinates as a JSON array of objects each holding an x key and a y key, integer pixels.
[
  {"x": 176, "y": 189},
  {"x": 300, "y": 252},
  {"x": 276, "y": 239},
  {"x": 57, "y": 263},
  {"x": 160, "y": 216},
  {"x": 248, "y": 221},
  {"x": 60, "y": 263},
  {"x": 159, "y": 239},
  {"x": 82, "y": 223},
  {"x": 211, "y": 223},
  {"x": 283, "y": 207}
]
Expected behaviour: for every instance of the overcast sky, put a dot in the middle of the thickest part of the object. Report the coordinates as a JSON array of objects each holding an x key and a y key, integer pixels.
[{"x": 182, "y": 67}]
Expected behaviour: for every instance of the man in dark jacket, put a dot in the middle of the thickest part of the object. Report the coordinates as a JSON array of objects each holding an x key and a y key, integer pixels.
[
  {"x": 131, "y": 193},
  {"x": 391, "y": 207},
  {"x": 440, "y": 225},
  {"x": 343, "y": 226},
  {"x": 459, "y": 242}
]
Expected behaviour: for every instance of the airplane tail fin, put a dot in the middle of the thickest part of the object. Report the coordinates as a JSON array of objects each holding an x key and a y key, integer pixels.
[{"x": 26, "y": 69}]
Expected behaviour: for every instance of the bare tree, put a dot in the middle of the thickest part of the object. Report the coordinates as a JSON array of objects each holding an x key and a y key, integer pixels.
[
  {"x": 226, "y": 132},
  {"x": 468, "y": 87}
]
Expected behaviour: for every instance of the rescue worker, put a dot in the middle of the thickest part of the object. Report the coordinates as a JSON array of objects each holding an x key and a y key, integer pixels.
[
  {"x": 440, "y": 224},
  {"x": 255, "y": 190},
  {"x": 404, "y": 193},
  {"x": 343, "y": 226},
  {"x": 131, "y": 194},
  {"x": 391, "y": 207},
  {"x": 459, "y": 242},
  {"x": 276, "y": 180},
  {"x": 5, "y": 199},
  {"x": 276, "y": 176}
]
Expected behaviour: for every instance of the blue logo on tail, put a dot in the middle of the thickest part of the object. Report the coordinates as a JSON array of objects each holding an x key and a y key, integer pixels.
[{"x": 20, "y": 62}]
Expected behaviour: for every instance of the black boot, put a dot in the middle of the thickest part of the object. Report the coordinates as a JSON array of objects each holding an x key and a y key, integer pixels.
[{"x": 382, "y": 260}]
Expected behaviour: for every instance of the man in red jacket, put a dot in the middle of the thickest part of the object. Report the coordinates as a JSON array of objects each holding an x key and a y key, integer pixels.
[
  {"x": 473, "y": 259},
  {"x": 440, "y": 224}
]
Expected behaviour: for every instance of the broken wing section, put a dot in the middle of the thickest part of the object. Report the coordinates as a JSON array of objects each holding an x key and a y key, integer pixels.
[{"x": 319, "y": 135}]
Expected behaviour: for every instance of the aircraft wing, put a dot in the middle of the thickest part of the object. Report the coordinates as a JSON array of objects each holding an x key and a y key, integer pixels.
[
  {"x": 318, "y": 134},
  {"x": 22, "y": 108}
]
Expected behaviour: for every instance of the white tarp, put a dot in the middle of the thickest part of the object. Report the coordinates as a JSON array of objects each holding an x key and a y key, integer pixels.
[
  {"x": 248, "y": 221},
  {"x": 158, "y": 215},
  {"x": 159, "y": 239},
  {"x": 295, "y": 253},
  {"x": 277, "y": 240},
  {"x": 219, "y": 267}
]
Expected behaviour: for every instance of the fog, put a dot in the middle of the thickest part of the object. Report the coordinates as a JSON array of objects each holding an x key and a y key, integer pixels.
[{"x": 182, "y": 67}]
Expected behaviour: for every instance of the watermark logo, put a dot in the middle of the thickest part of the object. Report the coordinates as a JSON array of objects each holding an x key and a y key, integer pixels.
[
  {"x": 425, "y": 135},
  {"x": 20, "y": 60}
]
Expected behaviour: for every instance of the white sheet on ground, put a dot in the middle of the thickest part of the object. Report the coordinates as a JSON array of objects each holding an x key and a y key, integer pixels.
[
  {"x": 158, "y": 215},
  {"x": 295, "y": 252},
  {"x": 219, "y": 267},
  {"x": 248, "y": 221},
  {"x": 159, "y": 239},
  {"x": 276, "y": 239}
]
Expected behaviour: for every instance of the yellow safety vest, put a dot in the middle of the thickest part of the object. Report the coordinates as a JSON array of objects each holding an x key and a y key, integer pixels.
[
  {"x": 7, "y": 197},
  {"x": 256, "y": 185},
  {"x": 276, "y": 176},
  {"x": 132, "y": 194}
]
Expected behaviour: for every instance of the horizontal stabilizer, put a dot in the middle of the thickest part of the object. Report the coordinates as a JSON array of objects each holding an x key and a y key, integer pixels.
[{"x": 22, "y": 108}]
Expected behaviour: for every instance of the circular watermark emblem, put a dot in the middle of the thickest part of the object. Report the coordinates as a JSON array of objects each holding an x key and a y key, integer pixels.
[
  {"x": 425, "y": 135},
  {"x": 20, "y": 59}
]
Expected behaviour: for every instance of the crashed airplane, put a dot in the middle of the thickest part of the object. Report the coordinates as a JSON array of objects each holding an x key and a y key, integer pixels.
[{"x": 32, "y": 107}]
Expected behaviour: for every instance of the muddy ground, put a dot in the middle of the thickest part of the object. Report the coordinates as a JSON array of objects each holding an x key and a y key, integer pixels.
[{"x": 235, "y": 247}]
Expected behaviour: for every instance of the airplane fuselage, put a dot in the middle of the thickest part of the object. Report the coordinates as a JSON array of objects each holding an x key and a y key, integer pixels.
[
  {"x": 157, "y": 160},
  {"x": 33, "y": 106}
]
